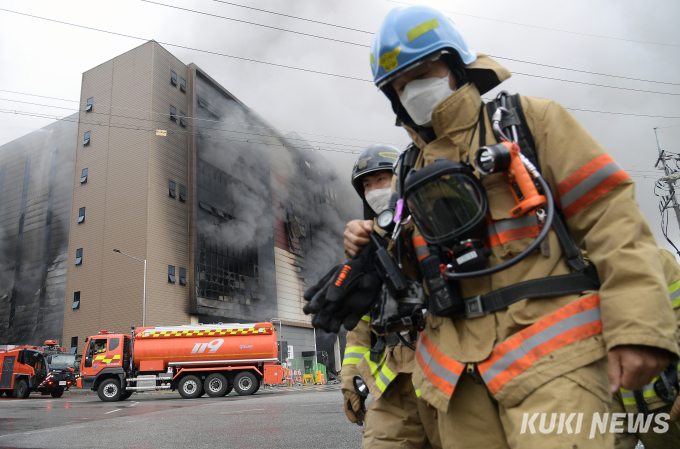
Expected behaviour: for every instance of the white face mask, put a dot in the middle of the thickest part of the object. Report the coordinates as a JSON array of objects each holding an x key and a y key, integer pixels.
[
  {"x": 379, "y": 199},
  {"x": 420, "y": 97}
]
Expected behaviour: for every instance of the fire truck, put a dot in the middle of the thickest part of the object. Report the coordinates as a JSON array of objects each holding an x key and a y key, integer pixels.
[
  {"x": 34, "y": 368},
  {"x": 193, "y": 359}
]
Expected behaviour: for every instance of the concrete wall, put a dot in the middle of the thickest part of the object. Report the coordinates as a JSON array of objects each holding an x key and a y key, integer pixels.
[{"x": 35, "y": 207}]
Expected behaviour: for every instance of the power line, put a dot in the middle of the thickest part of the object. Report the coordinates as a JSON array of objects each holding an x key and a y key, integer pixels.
[
  {"x": 594, "y": 84},
  {"x": 546, "y": 28},
  {"x": 193, "y": 118},
  {"x": 294, "y": 17},
  {"x": 188, "y": 48},
  {"x": 142, "y": 128},
  {"x": 499, "y": 57},
  {"x": 256, "y": 24},
  {"x": 584, "y": 71},
  {"x": 301, "y": 69},
  {"x": 192, "y": 126}
]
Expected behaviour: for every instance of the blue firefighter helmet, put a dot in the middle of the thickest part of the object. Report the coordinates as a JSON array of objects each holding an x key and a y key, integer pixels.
[{"x": 408, "y": 35}]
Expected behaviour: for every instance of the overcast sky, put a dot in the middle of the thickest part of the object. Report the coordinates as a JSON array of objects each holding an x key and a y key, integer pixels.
[{"x": 44, "y": 58}]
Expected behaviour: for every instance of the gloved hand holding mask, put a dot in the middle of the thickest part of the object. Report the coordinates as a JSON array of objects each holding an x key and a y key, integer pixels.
[{"x": 344, "y": 294}]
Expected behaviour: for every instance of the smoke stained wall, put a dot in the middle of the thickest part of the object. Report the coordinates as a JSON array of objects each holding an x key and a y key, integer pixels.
[{"x": 36, "y": 173}]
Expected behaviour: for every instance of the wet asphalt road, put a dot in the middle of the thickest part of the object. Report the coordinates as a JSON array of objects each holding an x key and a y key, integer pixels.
[{"x": 294, "y": 417}]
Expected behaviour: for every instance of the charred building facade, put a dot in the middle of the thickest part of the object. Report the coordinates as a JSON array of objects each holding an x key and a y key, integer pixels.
[
  {"x": 35, "y": 208},
  {"x": 227, "y": 217}
]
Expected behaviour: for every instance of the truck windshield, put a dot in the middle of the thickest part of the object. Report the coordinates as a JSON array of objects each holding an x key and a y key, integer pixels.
[{"x": 63, "y": 361}]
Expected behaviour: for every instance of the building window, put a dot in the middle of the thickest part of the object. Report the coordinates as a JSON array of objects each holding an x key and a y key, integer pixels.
[
  {"x": 183, "y": 194},
  {"x": 171, "y": 274},
  {"x": 83, "y": 176},
  {"x": 182, "y": 84},
  {"x": 173, "y": 113},
  {"x": 88, "y": 107},
  {"x": 173, "y": 78},
  {"x": 74, "y": 345},
  {"x": 171, "y": 189},
  {"x": 76, "y": 304},
  {"x": 182, "y": 119},
  {"x": 79, "y": 256},
  {"x": 182, "y": 276},
  {"x": 81, "y": 215},
  {"x": 86, "y": 142}
]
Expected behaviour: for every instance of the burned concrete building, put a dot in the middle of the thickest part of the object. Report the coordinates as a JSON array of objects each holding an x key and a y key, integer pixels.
[
  {"x": 228, "y": 217},
  {"x": 35, "y": 208}
]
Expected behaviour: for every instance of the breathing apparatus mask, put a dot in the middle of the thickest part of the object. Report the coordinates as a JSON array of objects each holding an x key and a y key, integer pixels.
[{"x": 448, "y": 206}]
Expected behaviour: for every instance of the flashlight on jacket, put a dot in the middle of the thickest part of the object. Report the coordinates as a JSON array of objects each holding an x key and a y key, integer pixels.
[{"x": 505, "y": 157}]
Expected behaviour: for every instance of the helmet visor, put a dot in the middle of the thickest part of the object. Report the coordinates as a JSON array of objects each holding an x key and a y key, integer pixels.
[{"x": 446, "y": 206}]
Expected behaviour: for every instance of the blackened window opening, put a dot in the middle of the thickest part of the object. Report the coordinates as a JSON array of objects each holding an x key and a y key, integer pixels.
[
  {"x": 89, "y": 105},
  {"x": 76, "y": 305},
  {"x": 173, "y": 78},
  {"x": 83, "y": 176},
  {"x": 171, "y": 274},
  {"x": 182, "y": 276},
  {"x": 183, "y": 194},
  {"x": 79, "y": 256},
  {"x": 86, "y": 140},
  {"x": 81, "y": 215},
  {"x": 182, "y": 85},
  {"x": 171, "y": 189},
  {"x": 173, "y": 113},
  {"x": 227, "y": 274}
]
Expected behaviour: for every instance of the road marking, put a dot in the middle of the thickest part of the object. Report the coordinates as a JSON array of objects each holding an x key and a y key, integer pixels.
[
  {"x": 116, "y": 410},
  {"x": 243, "y": 411}
]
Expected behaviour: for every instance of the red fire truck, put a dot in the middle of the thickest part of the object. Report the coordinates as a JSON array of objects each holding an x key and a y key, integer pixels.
[
  {"x": 27, "y": 368},
  {"x": 193, "y": 359}
]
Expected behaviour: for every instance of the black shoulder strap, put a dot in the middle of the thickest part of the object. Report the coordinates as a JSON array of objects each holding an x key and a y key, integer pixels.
[
  {"x": 516, "y": 117},
  {"x": 527, "y": 146}
]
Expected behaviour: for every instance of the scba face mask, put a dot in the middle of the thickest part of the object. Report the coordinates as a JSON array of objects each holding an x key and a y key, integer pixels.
[
  {"x": 379, "y": 199},
  {"x": 420, "y": 97}
]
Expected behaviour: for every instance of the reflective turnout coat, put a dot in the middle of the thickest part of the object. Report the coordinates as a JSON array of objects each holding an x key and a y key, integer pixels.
[{"x": 535, "y": 340}]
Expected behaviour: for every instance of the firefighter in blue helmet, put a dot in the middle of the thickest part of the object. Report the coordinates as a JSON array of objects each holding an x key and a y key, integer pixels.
[
  {"x": 519, "y": 341},
  {"x": 396, "y": 415}
]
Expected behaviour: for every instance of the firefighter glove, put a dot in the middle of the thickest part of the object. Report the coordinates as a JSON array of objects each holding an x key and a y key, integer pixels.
[
  {"x": 355, "y": 407},
  {"x": 344, "y": 294}
]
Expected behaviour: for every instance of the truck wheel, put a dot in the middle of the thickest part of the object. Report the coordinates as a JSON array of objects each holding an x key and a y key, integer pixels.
[
  {"x": 109, "y": 390},
  {"x": 215, "y": 385},
  {"x": 21, "y": 390},
  {"x": 245, "y": 383},
  {"x": 190, "y": 387},
  {"x": 125, "y": 395},
  {"x": 257, "y": 386},
  {"x": 57, "y": 392},
  {"x": 228, "y": 390}
]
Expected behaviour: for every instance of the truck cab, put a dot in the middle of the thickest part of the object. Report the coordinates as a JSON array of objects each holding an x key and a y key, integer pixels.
[
  {"x": 106, "y": 357},
  {"x": 23, "y": 370}
]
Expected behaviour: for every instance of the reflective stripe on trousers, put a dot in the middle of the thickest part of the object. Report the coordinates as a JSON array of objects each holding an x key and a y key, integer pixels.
[
  {"x": 381, "y": 373},
  {"x": 354, "y": 354},
  {"x": 442, "y": 371},
  {"x": 573, "y": 322}
]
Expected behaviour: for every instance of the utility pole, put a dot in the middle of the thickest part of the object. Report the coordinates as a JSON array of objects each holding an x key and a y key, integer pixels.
[{"x": 669, "y": 179}]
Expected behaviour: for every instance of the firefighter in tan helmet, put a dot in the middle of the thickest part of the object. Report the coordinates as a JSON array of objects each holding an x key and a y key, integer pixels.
[
  {"x": 396, "y": 415},
  {"x": 519, "y": 324}
]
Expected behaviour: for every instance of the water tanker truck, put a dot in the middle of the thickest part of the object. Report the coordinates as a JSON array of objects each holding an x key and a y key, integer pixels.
[{"x": 193, "y": 359}]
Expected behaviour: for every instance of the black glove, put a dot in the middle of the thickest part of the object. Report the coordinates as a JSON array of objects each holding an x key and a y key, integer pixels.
[{"x": 344, "y": 294}]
